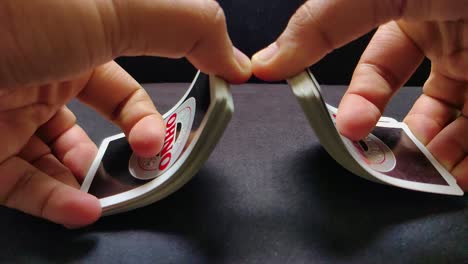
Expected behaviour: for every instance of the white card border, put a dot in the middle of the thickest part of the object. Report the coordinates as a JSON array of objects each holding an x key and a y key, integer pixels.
[{"x": 451, "y": 188}]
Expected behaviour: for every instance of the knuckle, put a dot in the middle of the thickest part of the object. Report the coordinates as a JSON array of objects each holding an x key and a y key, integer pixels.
[
  {"x": 46, "y": 201},
  {"x": 303, "y": 16},
  {"x": 13, "y": 195},
  {"x": 213, "y": 14},
  {"x": 305, "y": 23},
  {"x": 396, "y": 8}
]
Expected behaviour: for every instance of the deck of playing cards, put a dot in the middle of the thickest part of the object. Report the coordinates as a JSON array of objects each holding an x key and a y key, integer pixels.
[
  {"x": 391, "y": 154},
  {"x": 123, "y": 181}
]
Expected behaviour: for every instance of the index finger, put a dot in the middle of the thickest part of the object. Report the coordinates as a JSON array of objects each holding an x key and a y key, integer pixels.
[
  {"x": 320, "y": 26},
  {"x": 112, "y": 92}
]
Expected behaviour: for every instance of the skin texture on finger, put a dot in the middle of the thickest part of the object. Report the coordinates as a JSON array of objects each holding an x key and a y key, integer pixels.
[
  {"x": 26, "y": 188},
  {"x": 34, "y": 49},
  {"x": 88, "y": 33},
  {"x": 439, "y": 120},
  {"x": 320, "y": 26},
  {"x": 63, "y": 120},
  {"x": 34, "y": 149},
  {"x": 117, "y": 96},
  {"x": 25, "y": 109},
  {"x": 445, "y": 43},
  {"x": 37, "y": 153},
  {"x": 460, "y": 173},
  {"x": 429, "y": 116},
  {"x": 451, "y": 91},
  {"x": 198, "y": 31},
  {"x": 450, "y": 148},
  {"x": 15, "y": 132},
  {"x": 55, "y": 93},
  {"x": 51, "y": 166},
  {"x": 75, "y": 150},
  {"x": 386, "y": 64},
  {"x": 442, "y": 101},
  {"x": 69, "y": 142}
]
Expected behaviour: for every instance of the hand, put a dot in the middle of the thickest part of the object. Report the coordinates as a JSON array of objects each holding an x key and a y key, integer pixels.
[
  {"x": 52, "y": 51},
  {"x": 409, "y": 30}
]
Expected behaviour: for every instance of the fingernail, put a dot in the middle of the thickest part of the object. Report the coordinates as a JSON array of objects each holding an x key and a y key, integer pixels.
[
  {"x": 241, "y": 58},
  {"x": 267, "y": 53}
]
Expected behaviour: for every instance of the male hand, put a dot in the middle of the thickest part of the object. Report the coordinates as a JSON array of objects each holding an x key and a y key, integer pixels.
[
  {"x": 52, "y": 51},
  {"x": 409, "y": 30}
]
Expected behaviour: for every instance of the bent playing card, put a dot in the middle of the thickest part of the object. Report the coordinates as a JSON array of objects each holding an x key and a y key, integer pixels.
[
  {"x": 123, "y": 181},
  {"x": 390, "y": 154}
]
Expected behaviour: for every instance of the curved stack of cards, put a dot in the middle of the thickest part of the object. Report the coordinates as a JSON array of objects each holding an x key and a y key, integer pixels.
[
  {"x": 123, "y": 181},
  {"x": 391, "y": 154}
]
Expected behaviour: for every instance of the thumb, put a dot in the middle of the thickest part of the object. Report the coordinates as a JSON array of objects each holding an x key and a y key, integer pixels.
[
  {"x": 56, "y": 40},
  {"x": 318, "y": 27}
]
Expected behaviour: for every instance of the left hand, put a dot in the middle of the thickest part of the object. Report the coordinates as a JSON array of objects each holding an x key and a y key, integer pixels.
[
  {"x": 52, "y": 51},
  {"x": 46, "y": 154}
]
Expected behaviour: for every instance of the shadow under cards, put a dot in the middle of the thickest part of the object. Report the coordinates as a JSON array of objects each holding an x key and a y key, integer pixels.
[{"x": 348, "y": 213}]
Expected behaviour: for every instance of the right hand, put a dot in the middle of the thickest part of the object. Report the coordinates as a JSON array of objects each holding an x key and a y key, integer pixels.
[
  {"x": 52, "y": 51},
  {"x": 409, "y": 30}
]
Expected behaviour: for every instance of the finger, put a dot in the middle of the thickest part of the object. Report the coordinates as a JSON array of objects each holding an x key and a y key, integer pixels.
[
  {"x": 85, "y": 34},
  {"x": 15, "y": 132},
  {"x": 33, "y": 150},
  {"x": 385, "y": 66},
  {"x": 24, "y": 187},
  {"x": 460, "y": 172},
  {"x": 441, "y": 103},
  {"x": 37, "y": 153},
  {"x": 450, "y": 91},
  {"x": 450, "y": 146},
  {"x": 198, "y": 31},
  {"x": 318, "y": 27},
  {"x": 429, "y": 116},
  {"x": 55, "y": 93},
  {"x": 63, "y": 120},
  {"x": 69, "y": 142},
  {"x": 116, "y": 95},
  {"x": 52, "y": 167},
  {"x": 75, "y": 150}
]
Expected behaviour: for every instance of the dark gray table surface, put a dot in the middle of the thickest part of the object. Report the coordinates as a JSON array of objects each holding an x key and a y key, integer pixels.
[{"x": 269, "y": 193}]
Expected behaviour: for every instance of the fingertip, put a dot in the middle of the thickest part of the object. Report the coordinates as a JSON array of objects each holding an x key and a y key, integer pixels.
[
  {"x": 72, "y": 208},
  {"x": 84, "y": 210},
  {"x": 262, "y": 63},
  {"x": 245, "y": 67},
  {"x": 147, "y": 136},
  {"x": 280, "y": 60},
  {"x": 356, "y": 117},
  {"x": 264, "y": 56}
]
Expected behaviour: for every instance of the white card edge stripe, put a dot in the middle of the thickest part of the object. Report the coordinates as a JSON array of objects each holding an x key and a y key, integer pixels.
[
  {"x": 142, "y": 196},
  {"x": 97, "y": 160},
  {"x": 302, "y": 92}
]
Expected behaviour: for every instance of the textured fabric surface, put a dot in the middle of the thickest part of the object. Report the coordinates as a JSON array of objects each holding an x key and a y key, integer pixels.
[{"x": 269, "y": 193}]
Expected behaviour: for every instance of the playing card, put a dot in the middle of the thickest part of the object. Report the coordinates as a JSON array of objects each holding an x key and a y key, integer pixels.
[
  {"x": 178, "y": 128},
  {"x": 391, "y": 154},
  {"x": 121, "y": 170},
  {"x": 124, "y": 181}
]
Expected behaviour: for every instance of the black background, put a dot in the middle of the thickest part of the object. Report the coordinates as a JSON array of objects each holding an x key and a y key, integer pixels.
[{"x": 253, "y": 25}]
